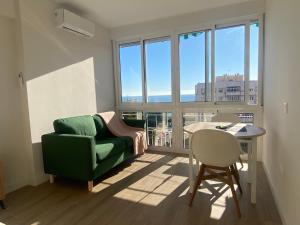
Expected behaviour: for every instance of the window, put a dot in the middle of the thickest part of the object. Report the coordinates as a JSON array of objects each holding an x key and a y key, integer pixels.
[
  {"x": 158, "y": 70},
  {"x": 190, "y": 118},
  {"x": 163, "y": 77},
  {"x": 195, "y": 67},
  {"x": 159, "y": 129},
  {"x": 234, "y": 89},
  {"x": 132, "y": 115},
  {"x": 194, "y": 59},
  {"x": 192, "y": 66},
  {"x": 229, "y": 64},
  {"x": 253, "y": 79},
  {"x": 246, "y": 117},
  {"x": 131, "y": 72}
]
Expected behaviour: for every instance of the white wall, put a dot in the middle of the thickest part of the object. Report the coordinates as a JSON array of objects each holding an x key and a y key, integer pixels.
[
  {"x": 282, "y": 78},
  {"x": 12, "y": 135},
  {"x": 191, "y": 20},
  {"x": 65, "y": 74},
  {"x": 7, "y": 8}
]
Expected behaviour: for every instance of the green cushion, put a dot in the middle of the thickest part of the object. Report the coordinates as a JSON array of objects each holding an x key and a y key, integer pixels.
[
  {"x": 108, "y": 147},
  {"x": 128, "y": 141},
  {"x": 80, "y": 125},
  {"x": 102, "y": 130}
]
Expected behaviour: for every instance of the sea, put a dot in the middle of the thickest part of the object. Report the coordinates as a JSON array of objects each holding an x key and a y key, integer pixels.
[{"x": 159, "y": 98}]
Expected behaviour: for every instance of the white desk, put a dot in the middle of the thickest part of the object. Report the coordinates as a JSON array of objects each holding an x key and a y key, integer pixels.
[{"x": 249, "y": 136}]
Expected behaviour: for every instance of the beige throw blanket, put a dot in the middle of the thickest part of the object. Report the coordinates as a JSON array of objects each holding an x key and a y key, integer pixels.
[{"x": 119, "y": 128}]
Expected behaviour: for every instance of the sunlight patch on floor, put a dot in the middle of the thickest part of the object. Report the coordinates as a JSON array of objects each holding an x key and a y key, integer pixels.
[
  {"x": 151, "y": 157},
  {"x": 136, "y": 166},
  {"x": 217, "y": 211},
  {"x": 36, "y": 223},
  {"x": 185, "y": 192},
  {"x": 126, "y": 172},
  {"x": 153, "y": 188},
  {"x": 176, "y": 160},
  {"x": 245, "y": 167}
]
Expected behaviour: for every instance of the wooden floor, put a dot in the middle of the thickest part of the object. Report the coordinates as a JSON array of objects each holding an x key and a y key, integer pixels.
[{"x": 151, "y": 190}]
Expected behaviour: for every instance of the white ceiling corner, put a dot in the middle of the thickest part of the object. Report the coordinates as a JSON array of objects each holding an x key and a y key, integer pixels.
[{"x": 114, "y": 13}]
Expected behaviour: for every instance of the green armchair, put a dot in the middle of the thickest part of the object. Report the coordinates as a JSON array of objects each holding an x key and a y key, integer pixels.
[{"x": 82, "y": 148}]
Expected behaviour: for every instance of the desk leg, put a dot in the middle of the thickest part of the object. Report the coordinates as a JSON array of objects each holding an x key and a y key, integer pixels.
[
  {"x": 191, "y": 171},
  {"x": 250, "y": 156},
  {"x": 198, "y": 166},
  {"x": 253, "y": 170}
]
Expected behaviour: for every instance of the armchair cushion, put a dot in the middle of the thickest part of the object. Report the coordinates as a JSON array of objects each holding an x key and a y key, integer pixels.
[
  {"x": 128, "y": 141},
  {"x": 102, "y": 130},
  {"x": 79, "y": 125},
  {"x": 109, "y": 147}
]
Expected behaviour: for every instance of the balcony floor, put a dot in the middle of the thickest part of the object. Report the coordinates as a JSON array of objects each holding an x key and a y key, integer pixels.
[{"x": 151, "y": 190}]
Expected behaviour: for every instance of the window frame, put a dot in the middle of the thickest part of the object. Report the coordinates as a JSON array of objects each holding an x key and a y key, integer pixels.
[
  {"x": 207, "y": 66},
  {"x": 145, "y": 91},
  {"x": 178, "y": 108},
  {"x": 119, "y": 80},
  {"x": 246, "y": 61}
]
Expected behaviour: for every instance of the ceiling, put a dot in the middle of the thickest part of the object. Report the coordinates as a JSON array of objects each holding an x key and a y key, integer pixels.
[{"x": 114, "y": 13}]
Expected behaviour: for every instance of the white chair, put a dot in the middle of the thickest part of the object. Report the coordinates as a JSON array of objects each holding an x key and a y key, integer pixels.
[
  {"x": 217, "y": 151},
  {"x": 228, "y": 117}
]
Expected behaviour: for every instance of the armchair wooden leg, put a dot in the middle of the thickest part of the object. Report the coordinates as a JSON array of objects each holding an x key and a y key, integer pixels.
[
  {"x": 90, "y": 185},
  {"x": 233, "y": 193},
  {"x": 197, "y": 183},
  {"x": 236, "y": 177},
  {"x": 51, "y": 178}
]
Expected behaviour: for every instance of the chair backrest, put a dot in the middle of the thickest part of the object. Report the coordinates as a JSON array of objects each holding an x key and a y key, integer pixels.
[
  {"x": 215, "y": 147},
  {"x": 226, "y": 117}
]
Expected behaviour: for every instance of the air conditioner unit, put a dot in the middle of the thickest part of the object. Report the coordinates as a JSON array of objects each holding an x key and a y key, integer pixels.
[{"x": 71, "y": 22}]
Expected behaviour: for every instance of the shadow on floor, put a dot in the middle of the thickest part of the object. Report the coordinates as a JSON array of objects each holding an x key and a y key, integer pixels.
[{"x": 153, "y": 189}]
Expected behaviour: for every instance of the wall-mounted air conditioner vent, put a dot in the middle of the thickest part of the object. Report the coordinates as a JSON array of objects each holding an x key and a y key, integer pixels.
[{"x": 73, "y": 23}]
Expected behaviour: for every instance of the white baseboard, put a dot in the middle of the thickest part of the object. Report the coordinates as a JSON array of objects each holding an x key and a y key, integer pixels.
[
  {"x": 15, "y": 185},
  {"x": 40, "y": 178}
]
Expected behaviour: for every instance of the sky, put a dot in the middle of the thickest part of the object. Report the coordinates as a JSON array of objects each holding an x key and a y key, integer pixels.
[{"x": 229, "y": 58}]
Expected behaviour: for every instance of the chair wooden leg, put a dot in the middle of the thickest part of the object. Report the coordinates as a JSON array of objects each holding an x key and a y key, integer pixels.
[
  {"x": 2, "y": 204},
  {"x": 90, "y": 185},
  {"x": 236, "y": 177},
  {"x": 236, "y": 169},
  {"x": 197, "y": 183},
  {"x": 241, "y": 161},
  {"x": 233, "y": 193},
  {"x": 51, "y": 178}
]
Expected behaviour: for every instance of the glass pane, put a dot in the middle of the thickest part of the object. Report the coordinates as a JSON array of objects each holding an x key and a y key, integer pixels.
[
  {"x": 132, "y": 115},
  {"x": 246, "y": 117},
  {"x": 190, "y": 118},
  {"x": 131, "y": 72},
  {"x": 159, "y": 129},
  {"x": 229, "y": 64},
  {"x": 192, "y": 66},
  {"x": 158, "y": 70},
  {"x": 253, "y": 80}
]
